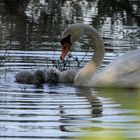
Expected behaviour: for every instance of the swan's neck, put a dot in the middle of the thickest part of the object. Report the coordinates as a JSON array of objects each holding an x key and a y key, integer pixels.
[{"x": 91, "y": 67}]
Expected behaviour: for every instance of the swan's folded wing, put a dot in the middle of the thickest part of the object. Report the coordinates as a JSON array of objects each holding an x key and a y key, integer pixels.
[{"x": 123, "y": 72}]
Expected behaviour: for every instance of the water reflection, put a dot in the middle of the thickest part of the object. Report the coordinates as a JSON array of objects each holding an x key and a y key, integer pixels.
[
  {"x": 96, "y": 104},
  {"x": 31, "y": 27},
  {"x": 62, "y": 111},
  {"x": 57, "y": 110},
  {"x": 123, "y": 107}
]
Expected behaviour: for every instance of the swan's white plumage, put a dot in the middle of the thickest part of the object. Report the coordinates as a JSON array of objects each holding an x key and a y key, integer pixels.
[{"x": 123, "y": 72}]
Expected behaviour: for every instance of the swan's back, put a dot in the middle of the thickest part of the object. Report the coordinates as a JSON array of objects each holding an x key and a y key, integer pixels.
[{"x": 123, "y": 72}]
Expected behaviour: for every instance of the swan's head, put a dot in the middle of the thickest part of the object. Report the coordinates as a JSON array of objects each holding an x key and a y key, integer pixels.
[{"x": 70, "y": 35}]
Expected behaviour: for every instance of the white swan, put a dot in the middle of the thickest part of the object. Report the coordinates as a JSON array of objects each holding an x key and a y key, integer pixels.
[{"x": 123, "y": 72}]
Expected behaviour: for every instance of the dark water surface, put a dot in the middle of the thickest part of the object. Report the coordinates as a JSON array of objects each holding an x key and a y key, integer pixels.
[{"x": 29, "y": 39}]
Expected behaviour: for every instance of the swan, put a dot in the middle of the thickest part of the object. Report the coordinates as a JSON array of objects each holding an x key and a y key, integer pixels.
[
  {"x": 25, "y": 77},
  {"x": 31, "y": 77},
  {"x": 124, "y": 72},
  {"x": 45, "y": 75},
  {"x": 57, "y": 76},
  {"x": 67, "y": 76}
]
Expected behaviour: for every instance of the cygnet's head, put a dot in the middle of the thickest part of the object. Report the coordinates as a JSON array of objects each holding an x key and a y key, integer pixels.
[
  {"x": 53, "y": 74},
  {"x": 39, "y": 77}
]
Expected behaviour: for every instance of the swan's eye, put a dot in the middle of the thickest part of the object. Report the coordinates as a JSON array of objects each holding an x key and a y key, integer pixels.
[{"x": 65, "y": 40}]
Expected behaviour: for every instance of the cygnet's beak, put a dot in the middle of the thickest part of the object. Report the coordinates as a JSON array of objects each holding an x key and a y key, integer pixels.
[{"x": 65, "y": 50}]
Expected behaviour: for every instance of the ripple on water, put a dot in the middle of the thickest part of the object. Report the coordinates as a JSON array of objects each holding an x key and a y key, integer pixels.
[{"x": 58, "y": 112}]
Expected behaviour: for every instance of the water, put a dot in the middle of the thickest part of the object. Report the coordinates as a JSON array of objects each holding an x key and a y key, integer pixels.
[{"x": 31, "y": 35}]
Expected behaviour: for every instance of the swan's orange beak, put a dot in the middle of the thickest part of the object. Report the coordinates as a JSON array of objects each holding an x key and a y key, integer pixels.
[{"x": 65, "y": 50}]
